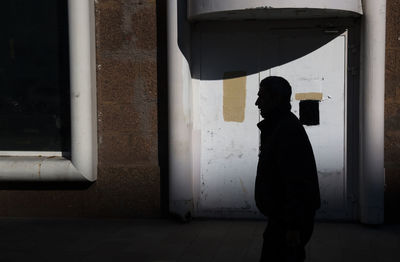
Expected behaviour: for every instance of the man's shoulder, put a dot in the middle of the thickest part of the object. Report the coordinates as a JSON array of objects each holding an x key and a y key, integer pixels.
[
  {"x": 290, "y": 122},
  {"x": 291, "y": 130}
]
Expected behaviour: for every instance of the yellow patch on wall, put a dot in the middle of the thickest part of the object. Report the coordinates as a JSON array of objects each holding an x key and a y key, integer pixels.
[
  {"x": 309, "y": 96},
  {"x": 234, "y": 96}
]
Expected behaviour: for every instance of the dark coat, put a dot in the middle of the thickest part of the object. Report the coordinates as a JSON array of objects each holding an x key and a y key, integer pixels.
[{"x": 287, "y": 181}]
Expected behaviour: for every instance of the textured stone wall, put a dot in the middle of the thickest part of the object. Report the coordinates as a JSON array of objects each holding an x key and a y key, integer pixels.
[
  {"x": 392, "y": 112},
  {"x": 128, "y": 182},
  {"x": 127, "y": 100}
]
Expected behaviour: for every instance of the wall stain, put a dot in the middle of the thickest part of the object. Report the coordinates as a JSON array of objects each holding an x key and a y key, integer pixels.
[
  {"x": 39, "y": 167},
  {"x": 243, "y": 187},
  {"x": 234, "y": 96},
  {"x": 309, "y": 96}
]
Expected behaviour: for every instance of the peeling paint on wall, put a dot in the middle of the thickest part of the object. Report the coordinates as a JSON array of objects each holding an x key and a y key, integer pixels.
[{"x": 234, "y": 96}]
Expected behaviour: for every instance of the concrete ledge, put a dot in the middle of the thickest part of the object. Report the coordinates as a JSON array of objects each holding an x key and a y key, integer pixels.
[{"x": 271, "y": 9}]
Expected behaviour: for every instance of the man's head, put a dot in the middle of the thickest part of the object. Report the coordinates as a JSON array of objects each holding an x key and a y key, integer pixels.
[{"x": 274, "y": 93}]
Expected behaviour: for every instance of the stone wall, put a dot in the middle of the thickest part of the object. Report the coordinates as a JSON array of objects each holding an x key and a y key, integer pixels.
[
  {"x": 128, "y": 183},
  {"x": 392, "y": 112}
]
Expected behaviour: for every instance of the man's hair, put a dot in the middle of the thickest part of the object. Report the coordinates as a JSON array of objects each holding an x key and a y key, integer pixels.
[{"x": 277, "y": 87}]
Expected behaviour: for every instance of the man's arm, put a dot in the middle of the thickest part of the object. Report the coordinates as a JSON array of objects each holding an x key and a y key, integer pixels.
[{"x": 293, "y": 167}]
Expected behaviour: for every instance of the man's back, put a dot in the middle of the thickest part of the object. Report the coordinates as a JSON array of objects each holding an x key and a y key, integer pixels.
[{"x": 287, "y": 181}]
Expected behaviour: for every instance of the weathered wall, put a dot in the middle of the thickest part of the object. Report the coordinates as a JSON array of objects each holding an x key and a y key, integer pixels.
[
  {"x": 392, "y": 112},
  {"x": 128, "y": 183}
]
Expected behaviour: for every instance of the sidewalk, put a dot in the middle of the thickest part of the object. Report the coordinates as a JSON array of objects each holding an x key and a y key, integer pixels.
[{"x": 158, "y": 240}]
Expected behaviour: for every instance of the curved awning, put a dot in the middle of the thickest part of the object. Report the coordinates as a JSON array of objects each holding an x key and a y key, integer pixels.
[{"x": 271, "y": 9}]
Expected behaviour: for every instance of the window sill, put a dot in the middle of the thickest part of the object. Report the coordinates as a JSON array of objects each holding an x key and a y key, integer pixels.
[{"x": 38, "y": 169}]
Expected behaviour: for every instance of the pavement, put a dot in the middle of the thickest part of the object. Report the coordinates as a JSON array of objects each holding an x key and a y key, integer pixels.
[{"x": 162, "y": 240}]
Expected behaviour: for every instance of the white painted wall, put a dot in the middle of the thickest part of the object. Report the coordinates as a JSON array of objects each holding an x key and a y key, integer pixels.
[
  {"x": 227, "y": 150},
  {"x": 229, "y": 153}
]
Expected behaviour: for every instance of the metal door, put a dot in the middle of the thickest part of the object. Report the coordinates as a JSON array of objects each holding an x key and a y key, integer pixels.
[{"x": 225, "y": 117}]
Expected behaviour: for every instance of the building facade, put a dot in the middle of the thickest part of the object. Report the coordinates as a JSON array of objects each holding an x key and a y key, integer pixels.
[{"x": 138, "y": 171}]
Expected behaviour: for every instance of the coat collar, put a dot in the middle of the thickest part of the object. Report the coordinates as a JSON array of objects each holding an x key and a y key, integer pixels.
[{"x": 273, "y": 119}]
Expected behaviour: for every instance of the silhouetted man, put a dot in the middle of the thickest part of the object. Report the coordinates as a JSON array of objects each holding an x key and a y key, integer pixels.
[{"x": 286, "y": 189}]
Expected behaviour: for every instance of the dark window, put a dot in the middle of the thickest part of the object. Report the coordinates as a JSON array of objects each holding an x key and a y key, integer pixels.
[
  {"x": 34, "y": 76},
  {"x": 309, "y": 112}
]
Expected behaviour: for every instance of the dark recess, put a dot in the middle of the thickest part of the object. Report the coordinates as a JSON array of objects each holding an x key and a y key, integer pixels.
[{"x": 162, "y": 105}]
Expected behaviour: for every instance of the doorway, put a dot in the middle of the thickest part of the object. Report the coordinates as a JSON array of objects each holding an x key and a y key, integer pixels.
[{"x": 230, "y": 66}]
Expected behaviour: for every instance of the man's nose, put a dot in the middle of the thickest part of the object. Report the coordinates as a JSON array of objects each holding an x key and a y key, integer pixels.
[{"x": 256, "y": 102}]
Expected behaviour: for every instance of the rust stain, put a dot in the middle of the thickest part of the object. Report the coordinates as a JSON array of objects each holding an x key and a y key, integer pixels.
[
  {"x": 234, "y": 96},
  {"x": 40, "y": 166},
  {"x": 243, "y": 187}
]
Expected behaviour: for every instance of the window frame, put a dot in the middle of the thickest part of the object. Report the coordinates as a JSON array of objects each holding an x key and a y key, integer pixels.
[{"x": 27, "y": 166}]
